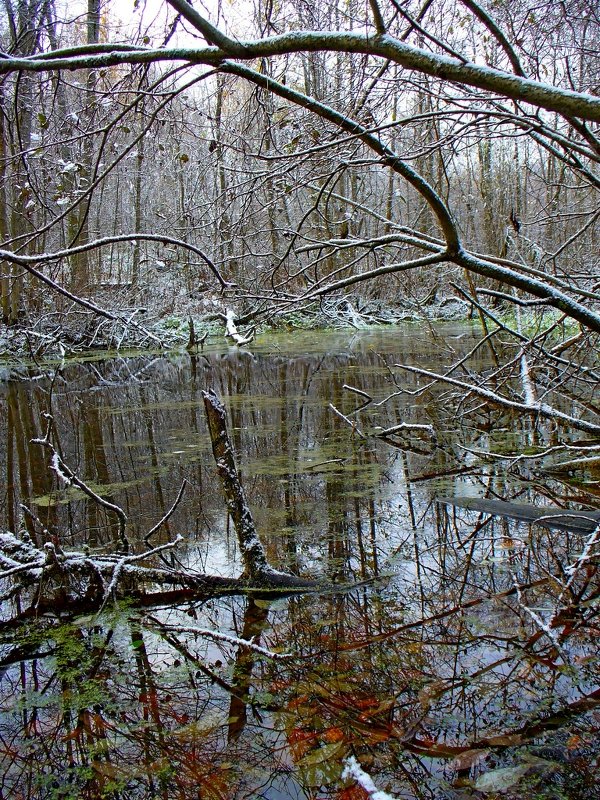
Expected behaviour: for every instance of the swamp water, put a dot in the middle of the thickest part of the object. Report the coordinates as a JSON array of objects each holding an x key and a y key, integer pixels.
[{"x": 456, "y": 673}]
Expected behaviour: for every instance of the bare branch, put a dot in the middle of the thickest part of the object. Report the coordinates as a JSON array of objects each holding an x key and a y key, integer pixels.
[{"x": 538, "y": 409}]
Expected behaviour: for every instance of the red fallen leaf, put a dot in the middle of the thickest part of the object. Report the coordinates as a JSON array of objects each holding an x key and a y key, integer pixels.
[
  {"x": 376, "y": 734},
  {"x": 333, "y": 734},
  {"x": 573, "y": 742},
  {"x": 300, "y": 735},
  {"x": 298, "y": 702},
  {"x": 301, "y": 742},
  {"x": 378, "y": 711},
  {"x": 365, "y": 702},
  {"x": 430, "y": 747}
]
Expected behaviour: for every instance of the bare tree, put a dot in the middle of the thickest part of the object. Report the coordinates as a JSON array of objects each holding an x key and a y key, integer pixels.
[{"x": 335, "y": 155}]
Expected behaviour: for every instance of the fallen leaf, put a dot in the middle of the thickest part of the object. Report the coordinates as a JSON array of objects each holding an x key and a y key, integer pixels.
[
  {"x": 322, "y": 754},
  {"x": 468, "y": 759},
  {"x": 499, "y": 780}
]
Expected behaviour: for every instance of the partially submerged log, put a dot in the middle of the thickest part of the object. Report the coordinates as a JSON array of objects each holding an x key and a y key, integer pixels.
[
  {"x": 584, "y": 522},
  {"x": 256, "y": 564},
  {"x": 50, "y": 579},
  {"x": 232, "y": 331},
  {"x": 67, "y": 577}
]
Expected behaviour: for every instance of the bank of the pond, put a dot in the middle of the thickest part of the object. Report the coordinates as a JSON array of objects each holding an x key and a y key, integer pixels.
[{"x": 77, "y": 335}]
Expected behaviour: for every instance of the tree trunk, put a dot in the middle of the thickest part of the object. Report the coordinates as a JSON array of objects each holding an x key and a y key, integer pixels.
[
  {"x": 79, "y": 219},
  {"x": 256, "y": 564}
]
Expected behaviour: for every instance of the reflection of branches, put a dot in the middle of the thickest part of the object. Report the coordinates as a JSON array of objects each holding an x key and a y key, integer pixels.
[
  {"x": 479, "y": 654},
  {"x": 534, "y": 408},
  {"x": 440, "y": 615},
  {"x": 69, "y": 478},
  {"x": 351, "y": 423},
  {"x": 168, "y": 514}
]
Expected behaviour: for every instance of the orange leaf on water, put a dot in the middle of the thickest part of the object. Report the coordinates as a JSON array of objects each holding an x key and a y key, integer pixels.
[
  {"x": 353, "y": 793},
  {"x": 366, "y": 702},
  {"x": 301, "y": 742},
  {"x": 333, "y": 734}
]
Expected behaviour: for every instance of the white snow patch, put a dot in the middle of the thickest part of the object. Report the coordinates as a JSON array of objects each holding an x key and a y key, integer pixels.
[{"x": 352, "y": 769}]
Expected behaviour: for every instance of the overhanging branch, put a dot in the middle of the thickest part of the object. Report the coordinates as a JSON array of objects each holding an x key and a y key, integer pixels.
[{"x": 552, "y": 98}]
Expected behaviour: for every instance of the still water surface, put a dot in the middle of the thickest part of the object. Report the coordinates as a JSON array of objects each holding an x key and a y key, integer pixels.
[{"x": 456, "y": 666}]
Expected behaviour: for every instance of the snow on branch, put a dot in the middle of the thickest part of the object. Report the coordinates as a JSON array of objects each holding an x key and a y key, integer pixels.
[
  {"x": 353, "y": 770},
  {"x": 54, "y": 579},
  {"x": 223, "y": 637}
]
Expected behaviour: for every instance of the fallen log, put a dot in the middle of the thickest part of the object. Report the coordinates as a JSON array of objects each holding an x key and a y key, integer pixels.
[{"x": 52, "y": 580}]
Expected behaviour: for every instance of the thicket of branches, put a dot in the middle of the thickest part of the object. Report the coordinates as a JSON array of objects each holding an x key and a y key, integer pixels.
[{"x": 364, "y": 155}]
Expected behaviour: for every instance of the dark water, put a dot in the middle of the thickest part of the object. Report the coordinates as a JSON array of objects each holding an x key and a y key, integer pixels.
[{"x": 469, "y": 667}]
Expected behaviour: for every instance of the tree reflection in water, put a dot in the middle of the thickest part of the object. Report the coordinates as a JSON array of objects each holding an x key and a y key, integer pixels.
[{"x": 470, "y": 664}]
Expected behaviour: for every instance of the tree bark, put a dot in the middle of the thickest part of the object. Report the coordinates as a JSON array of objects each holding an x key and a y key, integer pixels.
[{"x": 254, "y": 557}]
